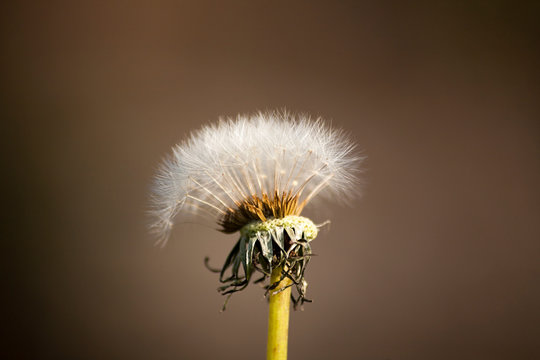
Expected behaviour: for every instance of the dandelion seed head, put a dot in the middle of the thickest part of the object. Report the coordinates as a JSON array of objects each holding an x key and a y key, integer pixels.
[{"x": 254, "y": 167}]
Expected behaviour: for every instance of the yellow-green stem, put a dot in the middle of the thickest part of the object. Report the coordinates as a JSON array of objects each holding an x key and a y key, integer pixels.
[{"x": 278, "y": 317}]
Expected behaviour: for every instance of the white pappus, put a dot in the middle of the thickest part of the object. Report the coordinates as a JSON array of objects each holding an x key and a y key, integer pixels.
[{"x": 223, "y": 164}]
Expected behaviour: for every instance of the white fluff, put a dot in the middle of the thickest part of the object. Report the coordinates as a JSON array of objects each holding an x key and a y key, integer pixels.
[{"x": 223, "y": 163}]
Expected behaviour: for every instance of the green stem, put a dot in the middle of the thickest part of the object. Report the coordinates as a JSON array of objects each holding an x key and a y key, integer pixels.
[{"x": 278, "y": 317}]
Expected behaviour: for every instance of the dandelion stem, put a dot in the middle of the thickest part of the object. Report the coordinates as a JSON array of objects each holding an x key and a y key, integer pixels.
[{"x": 278, "y": 317}]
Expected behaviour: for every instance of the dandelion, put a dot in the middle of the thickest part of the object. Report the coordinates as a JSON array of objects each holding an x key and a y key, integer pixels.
[{"x": 254, "y": 175}]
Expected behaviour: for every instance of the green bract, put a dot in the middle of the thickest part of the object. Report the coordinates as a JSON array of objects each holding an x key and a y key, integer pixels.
[{"x": 266, "y": 245}]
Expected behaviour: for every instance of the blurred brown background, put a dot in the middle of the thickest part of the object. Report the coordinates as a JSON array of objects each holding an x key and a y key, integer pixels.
[{"x": 438, "y": 260}]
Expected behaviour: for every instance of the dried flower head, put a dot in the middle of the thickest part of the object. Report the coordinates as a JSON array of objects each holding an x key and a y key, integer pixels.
[{"x": 255, "y": 174}]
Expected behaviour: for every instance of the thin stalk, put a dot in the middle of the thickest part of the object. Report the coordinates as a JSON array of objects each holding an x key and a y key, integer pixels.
[{"x": 278, "y": 317}]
